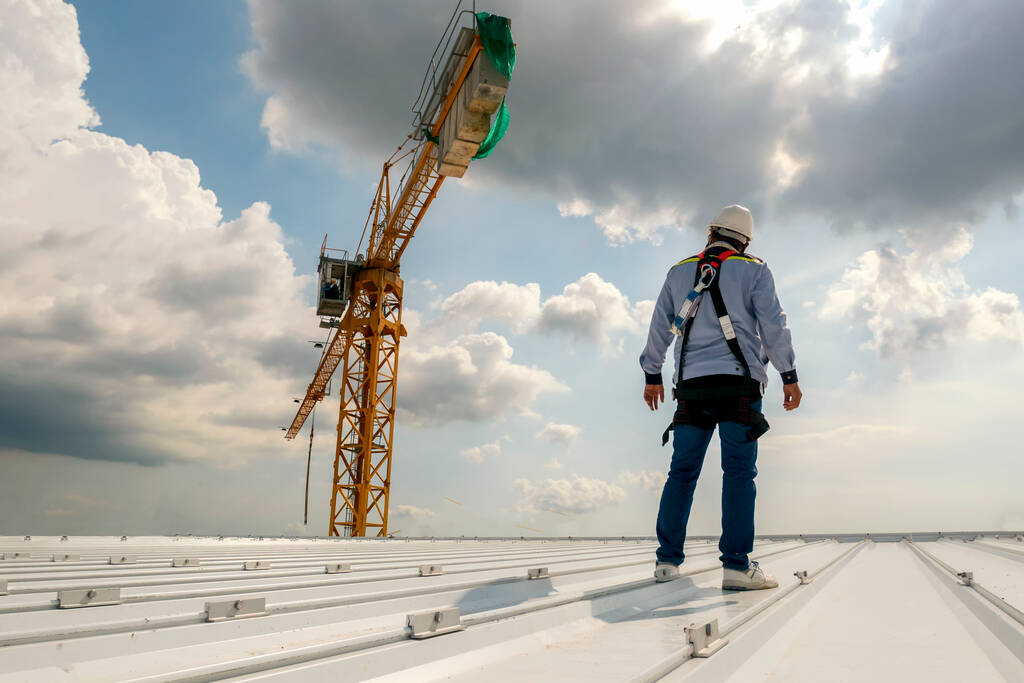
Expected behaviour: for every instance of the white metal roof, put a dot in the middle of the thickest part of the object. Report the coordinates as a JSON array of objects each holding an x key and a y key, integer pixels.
[{"x": 878, "y": 609}]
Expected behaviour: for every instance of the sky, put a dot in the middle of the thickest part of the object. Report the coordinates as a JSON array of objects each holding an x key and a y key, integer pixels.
[{"x": 169, "y": 171}]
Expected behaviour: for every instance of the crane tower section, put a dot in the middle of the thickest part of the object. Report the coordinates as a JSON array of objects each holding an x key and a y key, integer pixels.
[{"x": 460, "y": 115}]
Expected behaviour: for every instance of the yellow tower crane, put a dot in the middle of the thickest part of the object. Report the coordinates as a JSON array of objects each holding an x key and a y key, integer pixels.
[{"x": 361, "y": 299}]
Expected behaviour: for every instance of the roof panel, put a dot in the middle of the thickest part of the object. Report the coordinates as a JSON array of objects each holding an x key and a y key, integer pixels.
[{"x": 876, "y": 609}]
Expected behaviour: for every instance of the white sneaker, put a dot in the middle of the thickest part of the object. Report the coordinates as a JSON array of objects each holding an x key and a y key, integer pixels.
[
  {"x": 665, "y": 571},
  {"x": 753, "y": 579}
]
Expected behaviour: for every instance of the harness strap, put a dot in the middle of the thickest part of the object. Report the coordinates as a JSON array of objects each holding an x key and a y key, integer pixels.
[
  {"x": 727, "y": 329},
  {"x": 709, "y": 260},
  {"x": 740, "y": 411},
  {"x": 706, "y": 278}
]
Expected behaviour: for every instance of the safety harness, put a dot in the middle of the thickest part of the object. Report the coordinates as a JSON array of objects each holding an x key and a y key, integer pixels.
[{"x": 731, "y": 403}]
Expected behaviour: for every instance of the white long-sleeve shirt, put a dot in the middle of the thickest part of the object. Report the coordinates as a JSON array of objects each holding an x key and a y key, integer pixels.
[{"x": 748, "y": 290}]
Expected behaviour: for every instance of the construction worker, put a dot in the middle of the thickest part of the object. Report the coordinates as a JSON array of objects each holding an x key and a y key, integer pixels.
[
  {"x": 333, "y": 291},
  {"x": 722, "y": 308}
]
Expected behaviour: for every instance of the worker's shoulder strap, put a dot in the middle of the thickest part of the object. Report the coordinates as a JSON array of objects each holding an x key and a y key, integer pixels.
[
  {"x": 749, "y": 258},
  {"x": 723, "y": 254},
  {"x": 712, "y": 258},
  {"x": 716, "y": 256},
  {"x": 725, "y": 322}
]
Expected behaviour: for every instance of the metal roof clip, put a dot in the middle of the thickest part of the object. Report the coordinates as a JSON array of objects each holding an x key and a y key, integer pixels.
[
  {"x": 803, "y": 576},
  {"x": 236, "y": 609},
  {"x": 88, "y": 597},
  {"x": 704, "y": 638},
  {"x": 435, "y": 622},
  {"x": 966, "y": 577}
]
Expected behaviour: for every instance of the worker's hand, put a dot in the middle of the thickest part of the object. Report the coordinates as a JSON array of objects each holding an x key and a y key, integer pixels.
[
  {"x": 653, "y": 393},
  {"x": 791, "y": 396}
]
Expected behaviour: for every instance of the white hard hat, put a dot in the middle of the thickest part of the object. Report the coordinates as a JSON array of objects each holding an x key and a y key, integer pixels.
[{"x": 736, "y": 219}]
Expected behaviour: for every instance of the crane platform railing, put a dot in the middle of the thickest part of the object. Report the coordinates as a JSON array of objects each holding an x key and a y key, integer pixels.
[{"x": 455, "y": 42}]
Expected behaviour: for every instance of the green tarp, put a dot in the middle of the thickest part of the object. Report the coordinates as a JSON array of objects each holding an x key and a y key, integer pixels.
[
  {"x": 497, "y": 131},
  {"x": 496, "y": 37}
]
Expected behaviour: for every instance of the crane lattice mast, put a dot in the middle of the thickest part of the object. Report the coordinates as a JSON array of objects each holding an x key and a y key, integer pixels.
[{"x": 361, "y": 299}]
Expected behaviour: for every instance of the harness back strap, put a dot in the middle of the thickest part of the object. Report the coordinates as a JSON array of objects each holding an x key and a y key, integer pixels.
[
  {"x": 713, "y": 258},
  {"x": 727, "y": 329}
]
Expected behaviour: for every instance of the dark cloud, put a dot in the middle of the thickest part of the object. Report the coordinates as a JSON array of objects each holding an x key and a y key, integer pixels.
[
  {"x": 602, "y": 109},
  {"x": 622, "y": 107},
  {"x": 70, "y": 420},
  {"x": 288, "y": 356},
  {"x": 267, "y": 420},
  {"x": 205, "y": 292},
  {"x": 68, "y": 320},
  {"x": 938, "y": 139},
  {"x": 347, "y": 63},
  {"x": 186, "y": 363}
]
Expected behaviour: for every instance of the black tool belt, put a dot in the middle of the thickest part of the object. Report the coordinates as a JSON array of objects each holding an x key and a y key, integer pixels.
[{"x": 705, "y": 408}]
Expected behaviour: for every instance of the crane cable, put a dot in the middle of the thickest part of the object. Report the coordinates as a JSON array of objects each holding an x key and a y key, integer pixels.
[{"x": 309, "y": 459}]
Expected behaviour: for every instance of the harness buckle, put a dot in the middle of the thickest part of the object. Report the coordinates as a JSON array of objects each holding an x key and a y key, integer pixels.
[{"x": 707, "y": 275}]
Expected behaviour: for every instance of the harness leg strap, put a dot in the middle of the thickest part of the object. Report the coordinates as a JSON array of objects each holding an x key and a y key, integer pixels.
[
  {"x": 685, "y": 416},
  {"x": 758, "y": 425}
]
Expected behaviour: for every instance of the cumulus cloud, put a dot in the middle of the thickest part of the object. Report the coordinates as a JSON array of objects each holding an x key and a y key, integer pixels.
[
  {"x": 477, "y": 454},
  {"x": 564, "y": 434},
  {"x": 577, "y": 495},
  {"x": 41, "y": 77},
  {"x": 921, "y": 300},
  {"x": 590, "y": 309},
  {"x": 471, "y": 377},
  {"x": 864, "y": 113},
  {"x": 518, "y": 306},
  {"x": 135, "y": 323},
  {"x": 649, "y": 481},
  {"x": 412, "y": 511}
]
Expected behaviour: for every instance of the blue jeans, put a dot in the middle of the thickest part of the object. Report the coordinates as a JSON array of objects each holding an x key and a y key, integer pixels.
[{"x": 689, "y": 444}]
